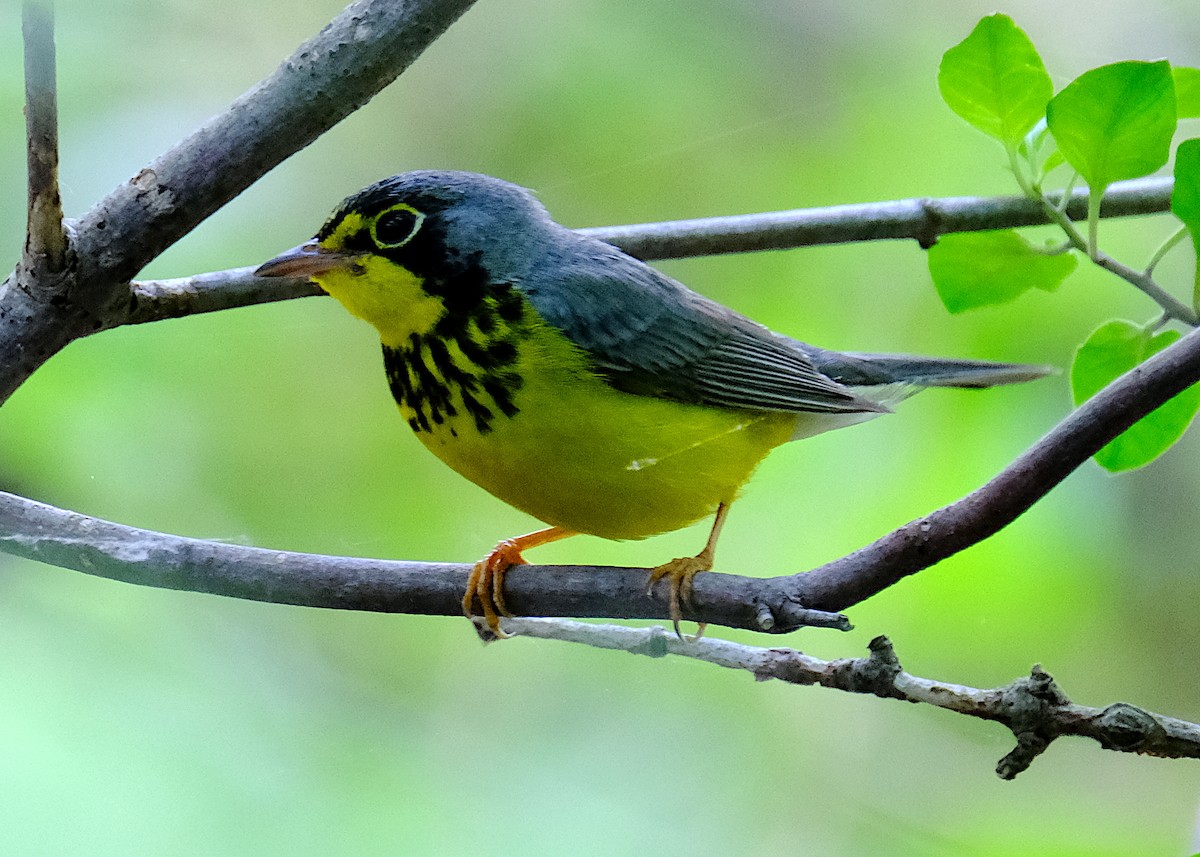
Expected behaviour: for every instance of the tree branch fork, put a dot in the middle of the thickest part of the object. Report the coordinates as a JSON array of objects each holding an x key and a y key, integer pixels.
[
  {"x": 73, "y": 281},
  {"x": 1033, "y": 708}
]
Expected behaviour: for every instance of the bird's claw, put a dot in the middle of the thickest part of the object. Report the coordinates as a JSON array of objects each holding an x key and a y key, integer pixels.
[
  {"x": 680, "y": 574},
  {"x": 486, "y": 585}
]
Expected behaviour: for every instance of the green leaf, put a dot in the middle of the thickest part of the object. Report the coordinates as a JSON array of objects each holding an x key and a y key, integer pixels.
[
  {"x": 1112, "y": 350},
  {"x": 1187, "y": 92},
  {"x": 1115, "y": 122},
  {"x": 975, "y": 269},
  {"x": 995, "y": 80},
  {"x": 1185, "y": 198}
]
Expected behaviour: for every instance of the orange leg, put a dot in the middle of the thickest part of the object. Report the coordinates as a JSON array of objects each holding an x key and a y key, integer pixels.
[
  {"x": 682, "y": 572},
  {"x": 486, "y": 582}
]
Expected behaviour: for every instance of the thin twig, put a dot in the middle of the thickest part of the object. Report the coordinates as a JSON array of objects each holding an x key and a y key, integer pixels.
[
  {"x": 1144, "y": 282},
  {"x": 45, "y": 236},
  {"x": 922, "y": 220},
  {"x": 156, "y": 300},
  {"x": 1141, "y": 280},
  {"x": 913, "y": 219},
  {"x": 1033, "y": 708},
  {"x": 1164, "y": 248}
]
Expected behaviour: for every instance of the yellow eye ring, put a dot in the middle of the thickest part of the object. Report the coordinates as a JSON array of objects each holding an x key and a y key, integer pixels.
[{"x": 396, "y": 226}]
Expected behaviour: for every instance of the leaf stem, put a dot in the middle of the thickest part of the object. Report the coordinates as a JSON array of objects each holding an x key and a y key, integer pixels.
[
  {"x": 1014, "y": 163},
  {"x": 1064, "y": 247},
  {"x": 1196, "y": 289},
  {"x": 1065, "y": 199},
  {"x": 1141, "y": 280},
  {"x": 1165, "y": 248}
]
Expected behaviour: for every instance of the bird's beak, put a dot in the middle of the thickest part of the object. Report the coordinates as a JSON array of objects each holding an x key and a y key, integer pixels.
[{"x": 307, "y": 260}]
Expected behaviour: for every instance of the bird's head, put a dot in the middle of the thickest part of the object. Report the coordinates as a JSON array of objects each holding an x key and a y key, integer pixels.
[{"x": 407, "y": 250}]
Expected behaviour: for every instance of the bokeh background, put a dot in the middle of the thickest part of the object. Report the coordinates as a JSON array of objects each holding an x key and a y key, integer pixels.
[{"x": 135, "y": 721}]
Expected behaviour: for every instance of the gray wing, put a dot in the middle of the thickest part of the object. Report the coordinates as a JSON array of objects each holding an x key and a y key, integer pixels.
[{"x": 651, "y": 335}]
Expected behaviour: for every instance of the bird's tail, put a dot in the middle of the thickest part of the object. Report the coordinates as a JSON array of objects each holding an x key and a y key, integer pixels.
[
  {"x": 870, "y": 370},
  {"x": 889, "y": 379}
]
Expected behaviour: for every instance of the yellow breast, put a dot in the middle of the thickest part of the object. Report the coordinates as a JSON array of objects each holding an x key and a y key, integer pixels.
[
  {"x": 512, "y": 404},
  {"x": 579, "y": 454}
]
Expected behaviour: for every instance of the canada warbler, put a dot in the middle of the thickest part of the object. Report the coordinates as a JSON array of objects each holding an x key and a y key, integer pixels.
[{"x": 573, "y": 381}]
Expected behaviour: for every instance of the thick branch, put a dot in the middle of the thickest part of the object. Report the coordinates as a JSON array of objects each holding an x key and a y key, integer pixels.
[
  {"x": 93, "y": 546},
  {"x": 926, "y": 541},
  {"x": 328, "y": 77},
  {"x": 45, "y": 239},
  {"x": 1033, "y": 708},
  {"x": 775, "y": 605}
]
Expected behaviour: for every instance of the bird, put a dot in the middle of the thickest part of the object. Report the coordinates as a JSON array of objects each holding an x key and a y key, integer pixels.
[{"x": 574, "y": 381}]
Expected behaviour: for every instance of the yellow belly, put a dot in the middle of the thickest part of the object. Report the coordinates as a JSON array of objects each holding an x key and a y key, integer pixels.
[
  {"x": 581, "y": 455},
  {"x": 568, "y": 449}
]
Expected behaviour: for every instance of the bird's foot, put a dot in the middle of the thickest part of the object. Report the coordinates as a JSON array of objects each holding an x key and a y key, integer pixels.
[
  {"x": 680, "y": 573},
  {"x": 486, "y": 585}
]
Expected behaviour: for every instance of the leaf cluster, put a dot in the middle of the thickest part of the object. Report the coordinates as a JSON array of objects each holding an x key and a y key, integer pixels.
[{"x": 1110, "y": 124}]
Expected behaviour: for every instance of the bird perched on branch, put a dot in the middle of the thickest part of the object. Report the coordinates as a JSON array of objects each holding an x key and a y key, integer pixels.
[{"x": 575, "y": 382}]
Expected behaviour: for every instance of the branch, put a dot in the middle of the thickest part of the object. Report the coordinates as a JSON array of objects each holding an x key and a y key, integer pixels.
[
  {"x": 1144, "y": 282},
  {"x": 45, "y": 238},
  {"x": 926, "y": 541},
  {"x": 74, "y": 280},
  {"x": 1034, "y": 708},
  {"x": 1141, "y": 280},
  {"x": 131, "y": 555},
  {"x": 773, "y": 605},
  {"x": 330, "y": 76},
  {"x": 923, "y": 220},
  {"x": 157, "y": 300},
  {"x": 362, "y": 50},
  {"x": 36, "y": 315},
  {"x": 920, "y": 219}
]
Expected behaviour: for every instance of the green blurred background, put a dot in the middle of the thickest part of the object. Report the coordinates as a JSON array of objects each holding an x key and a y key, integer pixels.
[{"x": 134, "y": 721}]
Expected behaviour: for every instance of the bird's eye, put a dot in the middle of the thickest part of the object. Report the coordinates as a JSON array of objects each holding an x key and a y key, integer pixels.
[{"x": 396, "y": 226}]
